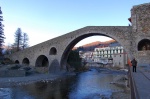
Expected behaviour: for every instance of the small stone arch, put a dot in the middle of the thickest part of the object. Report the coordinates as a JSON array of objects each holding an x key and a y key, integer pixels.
[
  {"x": 42, "y": 61},
  {"x": 7, "y": 59},
  {"x": 17, "y": 62},
  {"x": 144, "y": 45},
  {"x": 53, "y": 51},
  {"x": 26, "y": 61}
]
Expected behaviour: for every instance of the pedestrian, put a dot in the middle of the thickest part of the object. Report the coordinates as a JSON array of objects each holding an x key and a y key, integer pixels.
[{"x": 134, "y": 64}]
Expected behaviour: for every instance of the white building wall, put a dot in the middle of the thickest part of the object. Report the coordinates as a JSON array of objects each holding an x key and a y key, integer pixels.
[
  {"x": 117, "y": 53},
  {"x": 119, "y": 60}
]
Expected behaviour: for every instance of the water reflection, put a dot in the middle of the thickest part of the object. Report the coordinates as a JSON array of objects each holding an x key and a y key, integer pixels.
[
  {"x": 93, "y": 85},
  {"x": 87, "y": 85},
  {"x": 58, "y": 89}
]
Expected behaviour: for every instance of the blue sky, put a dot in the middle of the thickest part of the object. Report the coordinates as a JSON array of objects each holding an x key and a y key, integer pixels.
[{"x": 46, "y": 19}]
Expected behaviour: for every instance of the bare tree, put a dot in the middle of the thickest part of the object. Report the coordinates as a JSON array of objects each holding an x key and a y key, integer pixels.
[{"x": 25, "y": 41}]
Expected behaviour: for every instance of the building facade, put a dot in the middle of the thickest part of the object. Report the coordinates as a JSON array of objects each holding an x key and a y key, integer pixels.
[
  {"x": 86, "y": 56},
  {"x": 115, "y": 55}
]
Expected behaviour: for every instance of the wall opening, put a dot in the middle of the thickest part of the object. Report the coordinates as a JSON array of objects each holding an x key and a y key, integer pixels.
[
  {"x": 42, "y": 61},
  {"x": 17, "y": 62},
  {"x": 7, "y": 60},
  {"x": 71, "y": 45},
  {"x": 53, "y": 51},
  {"x": 26, "y": 61},
  {"x": 144, "y": 45}
]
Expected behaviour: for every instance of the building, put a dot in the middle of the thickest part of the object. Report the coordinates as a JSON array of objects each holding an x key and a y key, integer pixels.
[
  {"x": 87, "y": 56},
  {"x": 115, "y": 55},
  {"x": 109, "y": 52}
]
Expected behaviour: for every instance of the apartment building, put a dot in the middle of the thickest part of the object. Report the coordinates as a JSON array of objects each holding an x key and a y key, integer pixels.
[{"x": 115, "y": 55}]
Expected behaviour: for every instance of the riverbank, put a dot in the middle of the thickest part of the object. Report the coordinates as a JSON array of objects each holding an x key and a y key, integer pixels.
[
  {"x": 67, "y": 85},
  {"x": 36, "y": 77},
  {"x": 16, "y": 74},
  {"x": 18, "y": 81}
]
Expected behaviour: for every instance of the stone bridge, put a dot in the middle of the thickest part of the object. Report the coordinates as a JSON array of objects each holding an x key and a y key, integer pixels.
[{"x": 54, "y": 53}]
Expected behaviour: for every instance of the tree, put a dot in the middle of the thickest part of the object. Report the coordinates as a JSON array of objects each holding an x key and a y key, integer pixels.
[
  {"x": 18, "y": 39},
  {"x": 74, "y": 60},
  {"x": 25, "y": 40},
  {"x": 1, "y": 32},
  {"x": 21, "y": 41}
]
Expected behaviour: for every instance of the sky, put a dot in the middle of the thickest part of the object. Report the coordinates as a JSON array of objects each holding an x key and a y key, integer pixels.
[{"x": 46, "y": 19}]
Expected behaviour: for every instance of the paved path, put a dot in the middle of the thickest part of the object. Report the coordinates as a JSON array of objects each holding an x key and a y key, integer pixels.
[{"x": 142, "y": 81}]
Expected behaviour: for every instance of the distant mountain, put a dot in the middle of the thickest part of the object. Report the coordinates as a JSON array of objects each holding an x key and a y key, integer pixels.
[
  {"x": 92, "y": 44},
  {"x": 96, "y": 44}
]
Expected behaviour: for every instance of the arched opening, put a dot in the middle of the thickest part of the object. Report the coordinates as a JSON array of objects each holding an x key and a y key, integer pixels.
[
  {"x": 7, "y": 59},
  {"x": 53, "y": 51},
  {"x": 42, "y": 61},
  {"x": 17, "y": 62},
  {"x": 26, "y": 61},
  {"x": 144, "y": 45},
  {"x": 68, "y": 49}
]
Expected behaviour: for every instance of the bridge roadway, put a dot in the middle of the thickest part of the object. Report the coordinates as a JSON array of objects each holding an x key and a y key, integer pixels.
[{"x": 141, "y": 79}]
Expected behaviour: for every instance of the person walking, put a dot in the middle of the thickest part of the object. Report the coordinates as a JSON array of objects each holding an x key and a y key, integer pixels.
[{"x": 134, "y": 64}]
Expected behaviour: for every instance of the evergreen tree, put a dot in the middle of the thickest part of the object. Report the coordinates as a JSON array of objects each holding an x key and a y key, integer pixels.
[
  {"x": 18, "y": 39},
  {"x": 1, "y": 32},
  {"x": 25, "y": 40},
  {"x": 74, "y": 60}
]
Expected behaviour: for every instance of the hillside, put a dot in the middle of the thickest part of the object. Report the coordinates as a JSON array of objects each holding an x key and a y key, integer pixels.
[{"x": 96, "y": 44}]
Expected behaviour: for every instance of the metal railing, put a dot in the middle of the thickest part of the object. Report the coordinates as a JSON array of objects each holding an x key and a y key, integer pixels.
[{"x": 133, "y": 88}]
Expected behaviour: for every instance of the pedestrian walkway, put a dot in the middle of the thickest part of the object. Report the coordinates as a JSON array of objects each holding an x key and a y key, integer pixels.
[{"x": 142, "y": 81}]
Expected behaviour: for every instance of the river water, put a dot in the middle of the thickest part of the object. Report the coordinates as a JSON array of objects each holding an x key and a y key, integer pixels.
[{"x": 93, "y": 84}]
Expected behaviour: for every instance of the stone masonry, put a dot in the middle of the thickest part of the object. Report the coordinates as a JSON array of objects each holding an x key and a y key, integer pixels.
[
  {"x": 140, "y": 16},
  {"x": 54, "y": 52}
]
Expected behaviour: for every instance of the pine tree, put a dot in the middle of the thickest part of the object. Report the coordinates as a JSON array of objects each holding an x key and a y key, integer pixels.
[
  {"x": 25, "y": 40},
  {"x": 18, "y": 39},
  {"x": 1, "y": 32}
]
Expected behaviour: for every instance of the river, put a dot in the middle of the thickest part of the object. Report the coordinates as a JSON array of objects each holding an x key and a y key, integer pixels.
[{"x": 93, "y": 84}]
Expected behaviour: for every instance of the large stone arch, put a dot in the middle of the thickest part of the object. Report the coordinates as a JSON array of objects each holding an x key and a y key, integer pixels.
[
  {"x": 26, "y": 61},
  {"x": 42, "y": 61},
  {"x": 120, "y": 34}
]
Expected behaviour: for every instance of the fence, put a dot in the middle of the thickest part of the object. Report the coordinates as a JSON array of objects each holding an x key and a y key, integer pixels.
[{"x": 133, "y": 88}]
